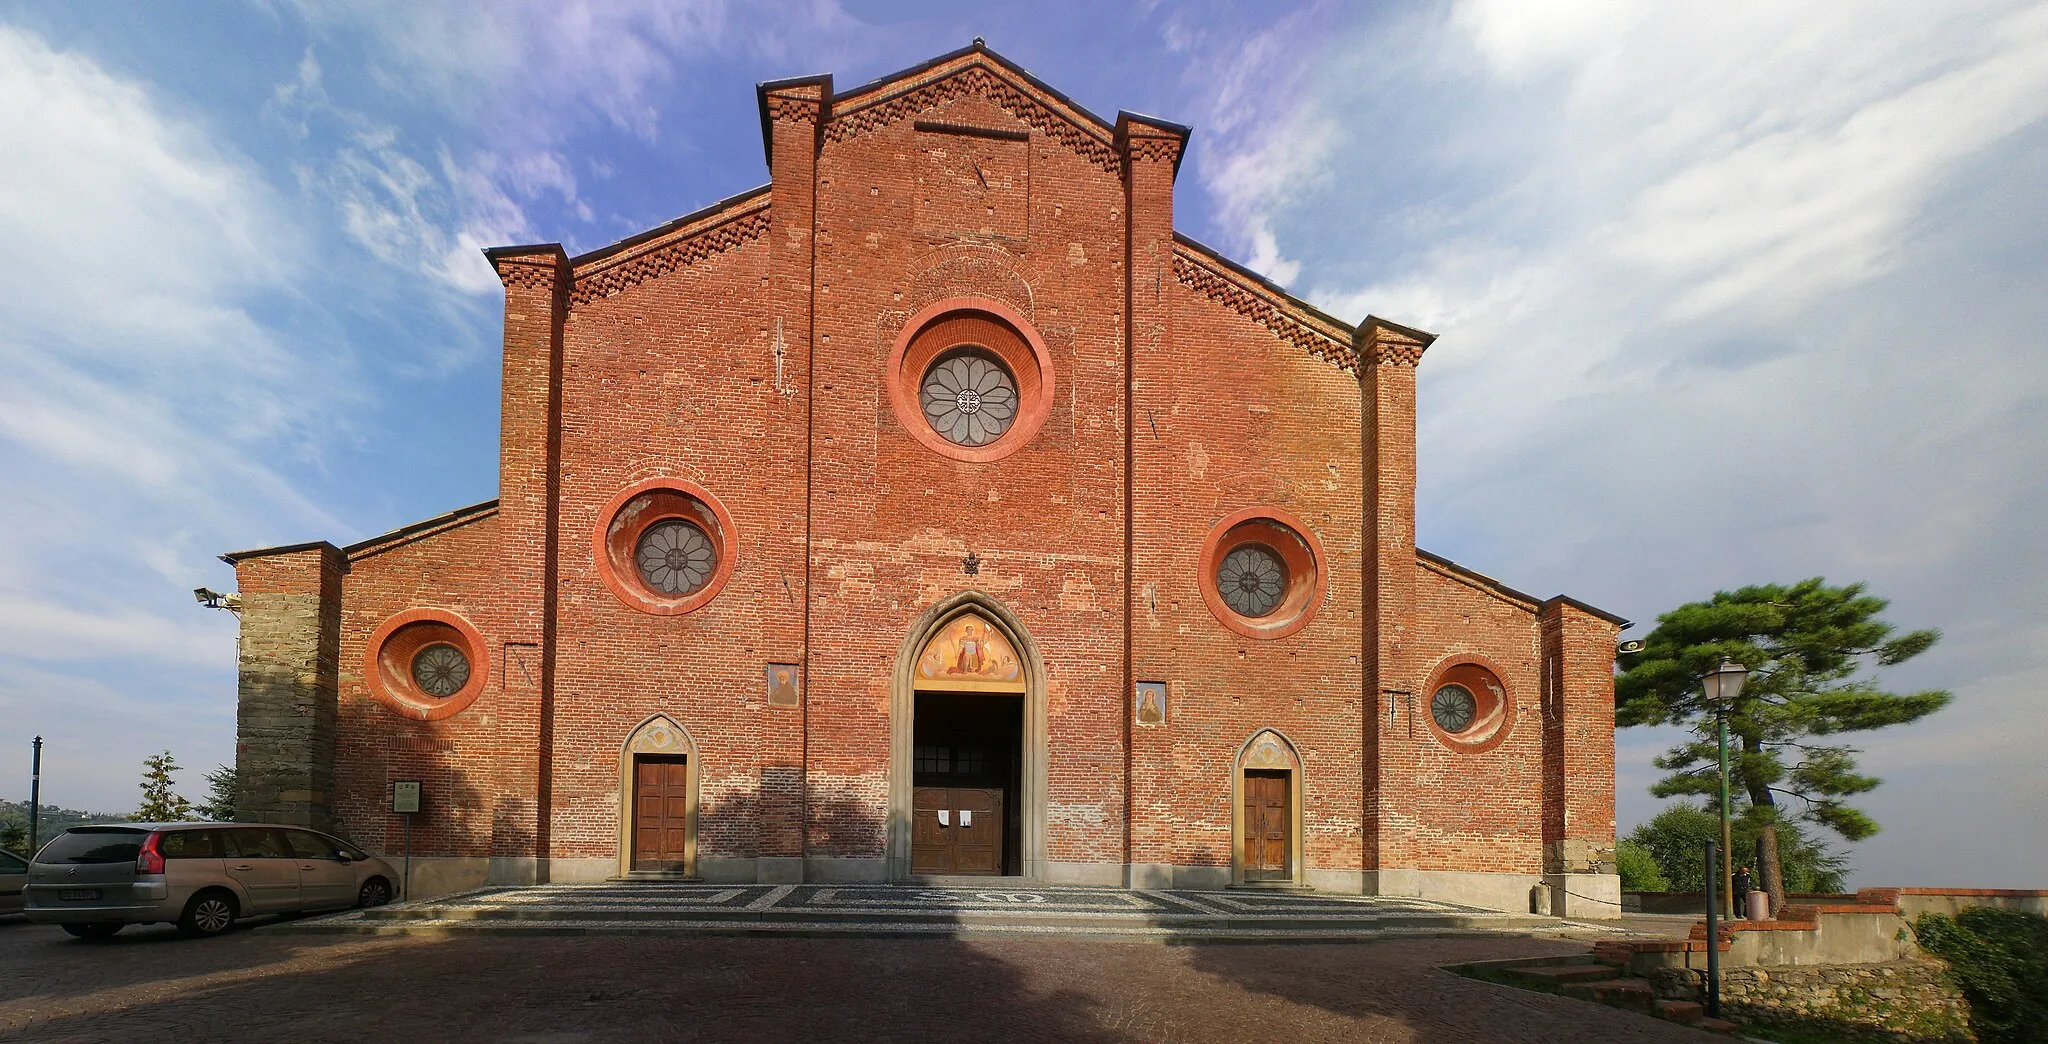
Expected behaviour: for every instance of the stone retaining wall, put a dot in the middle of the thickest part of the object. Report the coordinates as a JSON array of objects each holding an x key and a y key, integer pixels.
[{"x": 1893, "y": 1001}]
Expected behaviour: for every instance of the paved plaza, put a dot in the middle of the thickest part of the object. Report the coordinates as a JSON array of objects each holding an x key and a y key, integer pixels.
[
  {"x": 996, "y": 907},
  {"x": 265, "y": 983}
]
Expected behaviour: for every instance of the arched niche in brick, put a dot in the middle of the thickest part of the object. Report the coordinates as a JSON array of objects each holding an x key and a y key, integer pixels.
[
  {"x": 1286, "y": 539},
  {"x": 638, "y": 508},
  {"x": 903, "y": 720},
  {"x": 389, "y": 655},
  {"x": 1492, "y": 715},
  {"x": 1267, "y": 751},
  {"x": 986, "y": 326},
  {"x": 658, "y": 735}
]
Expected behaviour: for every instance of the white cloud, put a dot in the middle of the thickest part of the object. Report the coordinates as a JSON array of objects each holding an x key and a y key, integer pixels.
[
  {"x": 1727, "y": 294},
  {"x": 148, "y": 394}
]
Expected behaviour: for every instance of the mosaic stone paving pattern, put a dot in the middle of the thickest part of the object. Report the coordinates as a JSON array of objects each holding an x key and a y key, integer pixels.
[{"x": 1002, "y": 906}]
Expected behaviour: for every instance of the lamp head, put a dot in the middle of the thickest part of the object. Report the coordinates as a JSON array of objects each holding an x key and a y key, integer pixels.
[
  {"x": 1724, "y": 683},
  {"x": 206, "y": 597}
]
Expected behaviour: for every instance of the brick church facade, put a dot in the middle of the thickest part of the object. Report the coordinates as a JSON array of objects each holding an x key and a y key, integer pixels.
[{"x": 937, "y": 510}]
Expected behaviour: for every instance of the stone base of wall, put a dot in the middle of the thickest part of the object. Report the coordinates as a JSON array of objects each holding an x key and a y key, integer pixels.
[
  {"x": 1561, "y": 895},
  {"x": 1894, "y": 1001}
]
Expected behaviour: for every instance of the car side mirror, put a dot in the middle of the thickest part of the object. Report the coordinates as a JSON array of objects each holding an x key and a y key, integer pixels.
[{"x": 342, "y": 857}]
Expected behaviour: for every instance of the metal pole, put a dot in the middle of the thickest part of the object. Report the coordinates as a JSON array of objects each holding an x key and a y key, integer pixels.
[
  {"x": 1727, "y": 846},
  {"x": 408, "y": 856},
  {"x": 1713, "y": 941},
  {"x": 35, "y": 796}
]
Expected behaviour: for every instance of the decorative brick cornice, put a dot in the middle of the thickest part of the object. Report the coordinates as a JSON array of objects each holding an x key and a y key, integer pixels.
[
  {"x": 659, "y": 258},
  {"x": 527, "y": 274},
  {"x": 975, "y": 80},
  {"x": 1390, "y": 344},
  {"x": 1163, "y": 150},
  {"x": 1261, "y": 306},
  {"x": 793, "y": 108}
]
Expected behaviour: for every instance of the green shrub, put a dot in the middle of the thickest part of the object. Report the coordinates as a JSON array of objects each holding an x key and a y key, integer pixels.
[
  {"x": 1999, "y": 960},
  {"x": 1638, "y": 868}
]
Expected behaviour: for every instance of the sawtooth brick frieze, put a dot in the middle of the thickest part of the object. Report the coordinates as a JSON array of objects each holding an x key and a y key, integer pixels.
[{"x": 866, "y": 525}]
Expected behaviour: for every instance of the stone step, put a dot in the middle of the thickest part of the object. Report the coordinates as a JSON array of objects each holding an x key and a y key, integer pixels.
[
  {"x": 1021, "y": 915},
  {"x": 1717, "y": 1025},
  {"x": 1558, "y": 974},
  {"x": 883, "y": 930},
  {"x": 1680, "y": 1011},
  {"x": 1633, "y": 994}
]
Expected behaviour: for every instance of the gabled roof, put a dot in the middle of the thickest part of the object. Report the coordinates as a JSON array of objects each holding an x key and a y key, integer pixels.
[
  {"x": 971, "y": 69},
  {"x": 382, "y": 541},
  {"x": 1480, "y": 581}
]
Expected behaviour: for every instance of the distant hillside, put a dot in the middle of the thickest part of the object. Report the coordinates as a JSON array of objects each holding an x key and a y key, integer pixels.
[{"x": 52, "y": 821}]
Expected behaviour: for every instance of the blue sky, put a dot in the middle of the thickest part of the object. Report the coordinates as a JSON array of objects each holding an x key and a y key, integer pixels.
[{"x": 1727, "y": 294}]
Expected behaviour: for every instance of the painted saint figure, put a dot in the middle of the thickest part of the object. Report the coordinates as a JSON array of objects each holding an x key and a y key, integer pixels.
[{"x": 969, "y": 656}]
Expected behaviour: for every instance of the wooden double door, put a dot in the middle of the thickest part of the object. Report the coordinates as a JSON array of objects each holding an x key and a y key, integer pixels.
[
  {"x": 661, "y": 813},
  {"x": 956, "y": 830},
  {"x": 1268, "y": 826}
]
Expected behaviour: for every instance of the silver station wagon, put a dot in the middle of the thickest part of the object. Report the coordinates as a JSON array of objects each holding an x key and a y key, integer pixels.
[{"x": 93, "y": 880}]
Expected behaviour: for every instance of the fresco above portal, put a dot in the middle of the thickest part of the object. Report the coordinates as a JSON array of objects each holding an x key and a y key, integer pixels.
[{"x": 969, "y": 654}]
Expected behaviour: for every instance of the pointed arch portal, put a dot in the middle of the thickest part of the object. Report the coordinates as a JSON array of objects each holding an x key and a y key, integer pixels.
[
  {"x": 967, "y": 745},
  {"x": 658, "y": 800},
  {"x": 1265, "y": 817}
]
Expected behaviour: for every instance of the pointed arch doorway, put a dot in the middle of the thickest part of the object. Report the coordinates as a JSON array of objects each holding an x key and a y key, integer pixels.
[{"x": 967, "y": 733}]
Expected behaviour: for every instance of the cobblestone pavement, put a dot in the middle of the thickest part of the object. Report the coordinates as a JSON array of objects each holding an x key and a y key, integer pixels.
[
  {"x": 1009, "y": 908},
  {"x": 148, "y": 983}
]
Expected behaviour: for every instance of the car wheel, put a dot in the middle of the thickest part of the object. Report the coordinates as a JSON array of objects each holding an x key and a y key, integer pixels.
[
  {"x": 91, "y": 931},
  {"x": 374, "y": 893},
  {"x": 209, "y": 913}
]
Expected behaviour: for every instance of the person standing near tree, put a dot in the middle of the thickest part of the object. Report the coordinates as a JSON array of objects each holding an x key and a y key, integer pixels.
[{"x": 1808, "y": 647}]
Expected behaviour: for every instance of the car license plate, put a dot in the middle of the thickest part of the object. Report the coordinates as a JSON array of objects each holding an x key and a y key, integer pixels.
[{"x": 79, "y": 893}]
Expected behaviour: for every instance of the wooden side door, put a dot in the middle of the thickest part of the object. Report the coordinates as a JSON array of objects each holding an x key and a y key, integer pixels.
[
  {"x": 931, "y": 843},
  {"x": 977, "y": 831},
  {"x": 1266, "y": 826},
  {"x": 661, "y": 813}
]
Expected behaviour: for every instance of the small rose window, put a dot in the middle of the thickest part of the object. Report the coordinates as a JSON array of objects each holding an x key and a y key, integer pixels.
[
  {"x": 969, "y": 397},
  {"x": 1251, "y": 579},
  {"x": 675, "y": 557},
  {"x": 1453, "y": 707},
  {"x": 440, "y": 670}
]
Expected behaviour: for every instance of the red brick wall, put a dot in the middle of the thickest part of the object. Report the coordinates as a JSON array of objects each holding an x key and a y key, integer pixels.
[
  {"x": 479, "y": 768},
  {"x": 753, "y": 362},
  {"x": 893, "y": 520}
]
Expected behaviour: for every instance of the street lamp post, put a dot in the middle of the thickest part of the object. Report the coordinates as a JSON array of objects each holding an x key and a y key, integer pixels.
[{"x": 1723, "y": 685}]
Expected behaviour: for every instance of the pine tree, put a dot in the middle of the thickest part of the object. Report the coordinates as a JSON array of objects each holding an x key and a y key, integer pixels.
[
  {"x": 219, "y": 805},
  {"x": 160, "y": 804},
  {"x": 1811, "y": 651}
]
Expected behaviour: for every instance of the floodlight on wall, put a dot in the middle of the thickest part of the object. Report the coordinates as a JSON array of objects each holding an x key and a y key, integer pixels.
[{"x": 215, "y": 600}]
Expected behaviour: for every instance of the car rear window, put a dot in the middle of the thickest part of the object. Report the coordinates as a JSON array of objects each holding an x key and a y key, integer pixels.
[{"x": 93, "y": 845}]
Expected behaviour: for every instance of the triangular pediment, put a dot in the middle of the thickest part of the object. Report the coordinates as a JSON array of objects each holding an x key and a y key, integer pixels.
[{"x": 969, "y": 86}]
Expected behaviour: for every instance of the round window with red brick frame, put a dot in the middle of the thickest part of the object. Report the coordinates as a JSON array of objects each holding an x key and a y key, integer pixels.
[
  {"x": 426, "y": 664},
  {"x": 1262, "y": 573},
  {"x": 1469, "y": 708},
  {"x": 970, "y": 379},
  {"x": 664, "y": 546}
]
